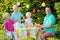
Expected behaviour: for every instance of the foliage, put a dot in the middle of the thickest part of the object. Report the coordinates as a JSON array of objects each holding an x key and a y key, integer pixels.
[
  {"x": 6, "y": 6},
  {"x": 57, "y": 26},
  {"x": 57, "y": 30},
  {"x": 57, "y": 7}
]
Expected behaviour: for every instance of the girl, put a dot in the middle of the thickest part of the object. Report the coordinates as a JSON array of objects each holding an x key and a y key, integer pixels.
[
  {"x": 8, "y": 26},
  {"x": 28, "y": 20}
]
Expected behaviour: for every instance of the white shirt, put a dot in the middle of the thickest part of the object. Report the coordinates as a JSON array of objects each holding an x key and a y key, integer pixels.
[
  {"x": 28, "y": 21},
  {"x": 18, "y": 25}
]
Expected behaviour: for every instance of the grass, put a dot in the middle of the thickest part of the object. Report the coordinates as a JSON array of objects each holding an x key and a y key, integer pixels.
[{"x": 2, "y": 36}]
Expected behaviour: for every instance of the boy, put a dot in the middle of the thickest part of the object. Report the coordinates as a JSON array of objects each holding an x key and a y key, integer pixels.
[{"x": 16, "y": 16}]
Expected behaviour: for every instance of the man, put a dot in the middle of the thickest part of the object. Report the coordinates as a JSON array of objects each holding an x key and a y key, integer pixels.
[{"x": 49, "y": 20}]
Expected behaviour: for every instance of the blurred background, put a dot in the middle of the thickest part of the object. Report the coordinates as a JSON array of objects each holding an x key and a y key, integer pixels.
[{"x": 36, "y": 7}]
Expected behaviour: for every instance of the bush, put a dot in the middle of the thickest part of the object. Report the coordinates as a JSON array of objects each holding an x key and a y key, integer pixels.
[
  {"x": 57, "y": 30},
  {"x": 57, "y": 7},
  {"x": 6, "y": 6}
]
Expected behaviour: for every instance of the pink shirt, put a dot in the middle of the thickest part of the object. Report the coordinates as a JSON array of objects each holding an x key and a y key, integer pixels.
[{"x": 9, "y": 25}]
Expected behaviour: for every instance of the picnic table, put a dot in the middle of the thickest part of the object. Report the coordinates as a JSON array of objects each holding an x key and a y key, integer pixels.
[{"x": 26, "y": 33}]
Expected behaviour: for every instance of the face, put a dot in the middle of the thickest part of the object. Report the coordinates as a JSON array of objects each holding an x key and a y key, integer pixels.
[
  {"x": 8, "y": 17},
  {"x": 29, "y": 15},
  {"x": 47, "y": 10},
  {"x": 15, "y": 9}
]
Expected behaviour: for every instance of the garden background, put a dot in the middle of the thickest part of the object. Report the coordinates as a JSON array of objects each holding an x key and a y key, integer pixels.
[{"x": 36, "y": 7}]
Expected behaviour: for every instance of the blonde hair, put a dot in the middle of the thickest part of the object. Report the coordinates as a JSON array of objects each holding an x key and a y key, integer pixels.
[
  {"x": 5, "y": 15},
  {"x": 14, "y": 6},
  {"x": 28, "y": 13}
]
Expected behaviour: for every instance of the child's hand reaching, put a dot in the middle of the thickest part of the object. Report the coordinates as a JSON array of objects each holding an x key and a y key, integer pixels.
[
  {"x": 16, "y": 20},
  {"x": 37, "y": 25},
  {"x": 9, "y": 32}
]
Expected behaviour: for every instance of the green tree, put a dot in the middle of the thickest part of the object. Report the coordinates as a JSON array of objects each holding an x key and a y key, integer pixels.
[{"x": 29, "y": 5}]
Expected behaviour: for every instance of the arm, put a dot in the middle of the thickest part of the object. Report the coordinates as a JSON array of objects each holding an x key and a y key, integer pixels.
[
  {"x": 51, "y": 21},
  {"x": 12, "y": 16},
  {"x": 5, "y": 28},
  {"x": 48, "y": 26},
  {"x": 21, "y": 15}
]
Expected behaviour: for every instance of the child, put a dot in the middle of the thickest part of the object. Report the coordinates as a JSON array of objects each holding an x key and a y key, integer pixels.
[
  {"x": 18, "y": 25},
  {"x": 8, "y": 26},
  {"x": 16, "y": 16},
  {"x": 28, "y": 20}
]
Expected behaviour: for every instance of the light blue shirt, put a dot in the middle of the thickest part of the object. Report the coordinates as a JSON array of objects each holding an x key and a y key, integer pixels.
[
  {"x": 49, "y": 19},
  {"x": 16, "y": 16}
]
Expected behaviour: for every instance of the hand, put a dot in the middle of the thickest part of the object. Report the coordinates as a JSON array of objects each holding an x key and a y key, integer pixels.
[
  {"x": 23, "y": 17},
  {"x": 41, "y": 26},
  {"x": 9, "y": 32},
  {"x": 18, "y": 36},
  {"x": 16, "y": 20},
  {"x": 31, "y": 24}
]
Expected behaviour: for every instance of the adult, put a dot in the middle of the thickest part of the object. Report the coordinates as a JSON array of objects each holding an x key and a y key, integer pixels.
[{"x": 49, "y": 20}]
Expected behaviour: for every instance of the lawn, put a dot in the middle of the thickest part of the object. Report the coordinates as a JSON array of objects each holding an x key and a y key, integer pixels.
[{"x": 3, "y": 37}]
